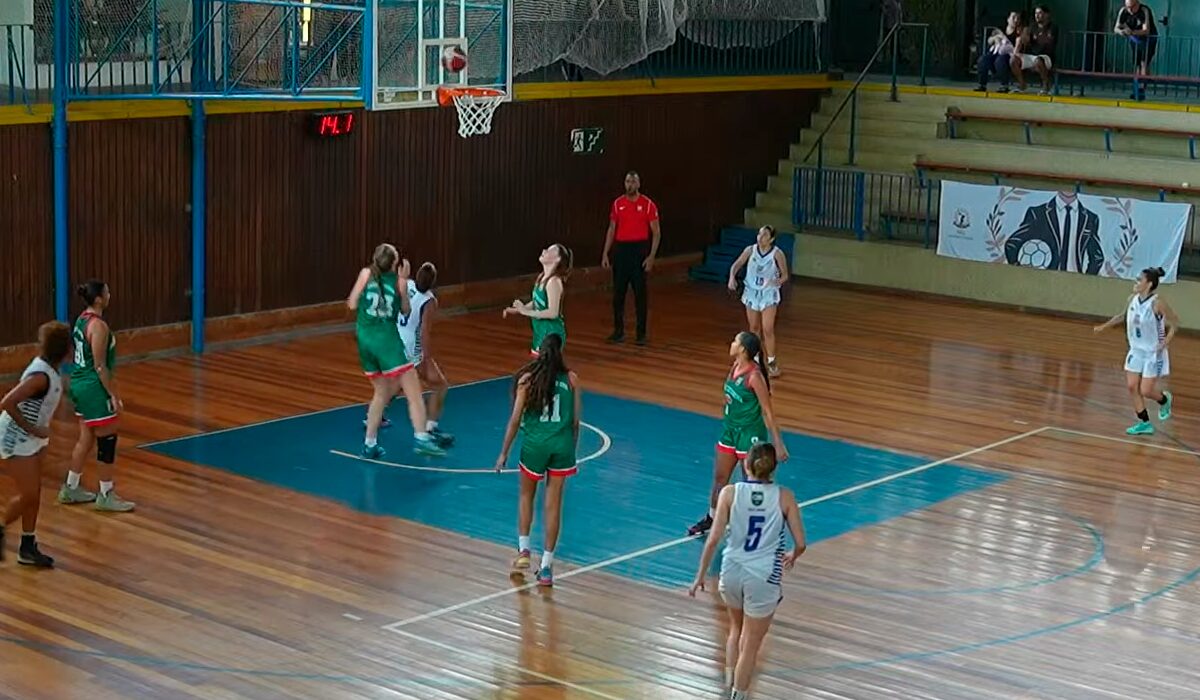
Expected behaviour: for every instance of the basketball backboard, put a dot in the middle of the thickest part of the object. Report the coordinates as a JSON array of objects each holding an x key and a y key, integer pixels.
[{"x": 408, "y": 40}]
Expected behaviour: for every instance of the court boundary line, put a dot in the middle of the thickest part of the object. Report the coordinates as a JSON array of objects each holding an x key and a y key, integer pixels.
[
  {"x": 306, "y": 414},
  {"x": 1125, "y": 441},
  {"x": 595, "y": 566},
  {"x": 605, "y": 446}
]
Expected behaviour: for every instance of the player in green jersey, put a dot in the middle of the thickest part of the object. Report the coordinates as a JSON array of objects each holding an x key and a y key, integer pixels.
[
  {"x": 544, "y": 308},
  {"x": 93, "y": 391},
  {"x": 749, "y": 418},
  {"x": 377, "y": 304},
  {"x": 546, "y": 408}
]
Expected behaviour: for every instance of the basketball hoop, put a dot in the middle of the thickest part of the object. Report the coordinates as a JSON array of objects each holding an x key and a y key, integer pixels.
[{"x": 475, "y": 107}]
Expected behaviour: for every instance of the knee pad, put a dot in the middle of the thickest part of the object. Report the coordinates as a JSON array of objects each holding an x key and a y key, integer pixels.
[{"x": 106, "y": 449}]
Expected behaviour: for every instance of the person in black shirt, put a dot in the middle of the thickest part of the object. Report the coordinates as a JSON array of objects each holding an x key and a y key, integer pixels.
[
  {"x": 996, "y": 56},
  {"x": 1035, "y": 50},
  {"x": 1136, "y": 21}
]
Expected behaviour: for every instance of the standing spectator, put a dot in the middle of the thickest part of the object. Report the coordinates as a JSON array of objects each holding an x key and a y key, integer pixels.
[
  {"x": 996, "y": 57},
  {"x": 631, "y": 224},
  {"x": 1036, "y": 50},
  {"x": 1135, "y": 21}
]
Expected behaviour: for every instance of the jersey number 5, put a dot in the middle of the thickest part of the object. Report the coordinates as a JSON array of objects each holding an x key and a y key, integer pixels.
[
  {"x": 552, "y": 413},
  {"x": 754, "y": 533}
]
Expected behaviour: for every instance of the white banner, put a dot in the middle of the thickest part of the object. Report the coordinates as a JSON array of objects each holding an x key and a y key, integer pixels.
[{"x": 1107, "y": 236}]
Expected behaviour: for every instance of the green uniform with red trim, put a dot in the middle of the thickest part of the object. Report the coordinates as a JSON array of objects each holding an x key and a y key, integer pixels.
[
  {"x": 548, "y": 436},
  {"x": 380, "y": 349},
  {"x": 92, "y": 401},
  {"x": 543, "y": 327},
  {"x": 743, "y": 425}
]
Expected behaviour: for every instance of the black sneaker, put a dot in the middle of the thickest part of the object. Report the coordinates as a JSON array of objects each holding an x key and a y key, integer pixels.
[
  {"x": 442, "y": 439},
  {"x": 641, "y": 340},
  {"x": 1, "y": 543},
  {"x": 383, "y": 424},
  {"x": 616, "y": 338},
  {"x": 701, "y": 527},
  {"x": 29, "y": 555}
]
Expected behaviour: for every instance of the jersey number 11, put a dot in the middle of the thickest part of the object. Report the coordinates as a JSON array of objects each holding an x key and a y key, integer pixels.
[{"x": 551, "y": 413}]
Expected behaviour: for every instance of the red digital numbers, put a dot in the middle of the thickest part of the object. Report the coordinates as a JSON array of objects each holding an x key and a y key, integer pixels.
[{"x": 334, "y": 124}]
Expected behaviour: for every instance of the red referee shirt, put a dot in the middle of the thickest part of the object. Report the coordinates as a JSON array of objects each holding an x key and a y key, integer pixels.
[{"x": 633, "y": 217}]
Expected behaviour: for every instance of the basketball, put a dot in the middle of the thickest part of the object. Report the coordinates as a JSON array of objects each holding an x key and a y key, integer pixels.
[{"x": 454, "y": 59}]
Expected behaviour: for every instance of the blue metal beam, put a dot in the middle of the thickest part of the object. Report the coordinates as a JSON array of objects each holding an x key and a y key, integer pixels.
[
  {"x": 199, "y": 223},
  {"x": 62, "y": 271}
]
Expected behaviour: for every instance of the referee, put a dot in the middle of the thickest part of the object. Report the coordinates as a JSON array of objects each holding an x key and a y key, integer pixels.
[{"x": 633, "y": 227}]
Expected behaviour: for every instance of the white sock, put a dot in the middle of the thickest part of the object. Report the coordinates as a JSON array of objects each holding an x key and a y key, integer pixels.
[
  {"x": 736, "y": 694},
  {"x": 423, "y": 436},
  {"x": 431, "y": 425},
  {"x": 771, "y": 360},
  {"x": 712, "y": 513},
  {"x": 73, "y": 479},
  {"x": 729, "y": 676},
  {"x": 371, "y": 442},
  {"x": 106, "y": 488},
  {"x": 523, "y": 543},
  {"x": 547, "y": 559}
]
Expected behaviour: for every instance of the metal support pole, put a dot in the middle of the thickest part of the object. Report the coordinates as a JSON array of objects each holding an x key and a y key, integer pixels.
[
  {"x": 199, "y": 225},
  {"x": 62, "y": 270}
]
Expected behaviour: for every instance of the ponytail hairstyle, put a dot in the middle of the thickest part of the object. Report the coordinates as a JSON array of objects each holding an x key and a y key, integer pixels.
[
  {"x": 426, "y": 277},
  {"x": 383, "y": 260},
  {"x": 543, "y": 372},
  {"x": 761, "y": 461},
  {"x": 90, "y": 291},
  {"x": 565, "y": 261},
  {"x": 753, "y": 348},
  {"x": 1153, "y": 275}
]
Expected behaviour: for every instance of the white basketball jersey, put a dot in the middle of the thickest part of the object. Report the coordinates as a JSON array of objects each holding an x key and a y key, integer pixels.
[
  {"x": 38, "y": 411},
  {"x": 410, "y": 325},
  {"x": 756, "y": 543},
  {"x": 1143, "y": 327},
  {"x": 761, "y": 268}
]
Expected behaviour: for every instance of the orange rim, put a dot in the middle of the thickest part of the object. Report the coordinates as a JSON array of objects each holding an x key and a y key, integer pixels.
[{"x": 446, "y": 95}]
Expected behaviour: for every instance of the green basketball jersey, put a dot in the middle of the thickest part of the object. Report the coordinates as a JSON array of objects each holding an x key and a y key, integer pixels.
[
  {"x": 85, "y": 361},
  {"x": 742, "y": 409},
  {"x": 554, "y": 426},
  {"x": 543, "y": 327},
  {"x": 378, "y": 307}
]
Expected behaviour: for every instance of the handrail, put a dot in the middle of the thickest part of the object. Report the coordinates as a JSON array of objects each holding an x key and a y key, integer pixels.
[{"x": 891, "y": 35}]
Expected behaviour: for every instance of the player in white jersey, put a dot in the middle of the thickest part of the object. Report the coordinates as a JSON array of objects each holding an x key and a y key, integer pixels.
[
  {"x": 754, "y": 560},
  {"x": 25, "y": 416},
  {"x": 1150, "y": 324},
  {"x": 415, "y": 327},
  {"x": 766, "y": 271}
]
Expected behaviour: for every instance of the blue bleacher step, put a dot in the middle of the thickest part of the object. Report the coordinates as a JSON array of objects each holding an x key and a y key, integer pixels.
[{"x": 720, "y": 256}]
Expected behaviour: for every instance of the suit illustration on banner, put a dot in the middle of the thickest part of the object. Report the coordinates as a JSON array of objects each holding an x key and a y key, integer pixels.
[{"x": 1061, "y": 234}]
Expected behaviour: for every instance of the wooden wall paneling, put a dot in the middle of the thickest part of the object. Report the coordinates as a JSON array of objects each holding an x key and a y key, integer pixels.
[{"x": 26, "y": 232}]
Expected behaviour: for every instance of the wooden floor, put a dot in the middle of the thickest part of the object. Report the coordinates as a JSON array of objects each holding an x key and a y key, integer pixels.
[{"x": 1073, "y": 577}]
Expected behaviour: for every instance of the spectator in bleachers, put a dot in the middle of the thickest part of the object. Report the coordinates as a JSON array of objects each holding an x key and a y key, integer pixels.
[
  {"x": 1035, "y": 50},
  {"x": 1135, "y": 21},
  {"x": 996, "y": 56}
]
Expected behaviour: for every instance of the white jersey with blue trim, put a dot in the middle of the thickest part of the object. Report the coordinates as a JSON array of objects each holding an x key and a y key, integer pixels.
[
  {"x": 757, "y": 538},
  {"x": 410, "y": 325},
  {"x": 38, "y": 410},
  {"x": 761, "y": 269},
  {"x": 1143, "y": 327}
]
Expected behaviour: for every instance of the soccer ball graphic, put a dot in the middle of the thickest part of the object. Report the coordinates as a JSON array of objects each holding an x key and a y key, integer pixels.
[{"x": 1034, "y": 253}]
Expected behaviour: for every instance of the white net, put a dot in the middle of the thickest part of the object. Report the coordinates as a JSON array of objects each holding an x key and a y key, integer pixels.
[
  {"x": 475, "y": 112},
  {"x": 607, "y": 35}
]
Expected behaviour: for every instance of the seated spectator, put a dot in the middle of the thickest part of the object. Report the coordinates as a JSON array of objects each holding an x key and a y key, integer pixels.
[
  {"x": 996, "y": 56},
  {"x": 1135, "y": 21},
  {"x": 1035, "y": 50}
]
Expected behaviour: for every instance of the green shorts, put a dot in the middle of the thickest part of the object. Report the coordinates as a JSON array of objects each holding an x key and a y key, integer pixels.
[
  {"x": 538, "y": 461},
  {"x": 92, "y": 402},
  {"x": 738, "y": 441},
  {"x": 381, "y": 353}
]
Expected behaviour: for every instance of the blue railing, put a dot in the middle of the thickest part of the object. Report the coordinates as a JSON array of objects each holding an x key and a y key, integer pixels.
[
  {"x": 886, "y": 205},
  {"x": 1176, "y": 58},
  {"x": 20, "y": 80}
]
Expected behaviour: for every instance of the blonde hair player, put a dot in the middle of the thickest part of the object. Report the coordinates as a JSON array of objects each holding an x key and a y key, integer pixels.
[
  {"x": 766, "y": 272},
  {"x": 1150, "y": 324},
  {"x": 754, "y": 560}
]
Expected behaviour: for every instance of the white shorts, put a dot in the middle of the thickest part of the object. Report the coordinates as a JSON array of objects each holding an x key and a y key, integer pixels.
[
  {"x": 755, "y": 597},
  {"x": 1027, "y": 61},
  {"x": 1148, "y": 363},
  {"x": 14, "y": 442},
  {"x": 760, "y": 299}
]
